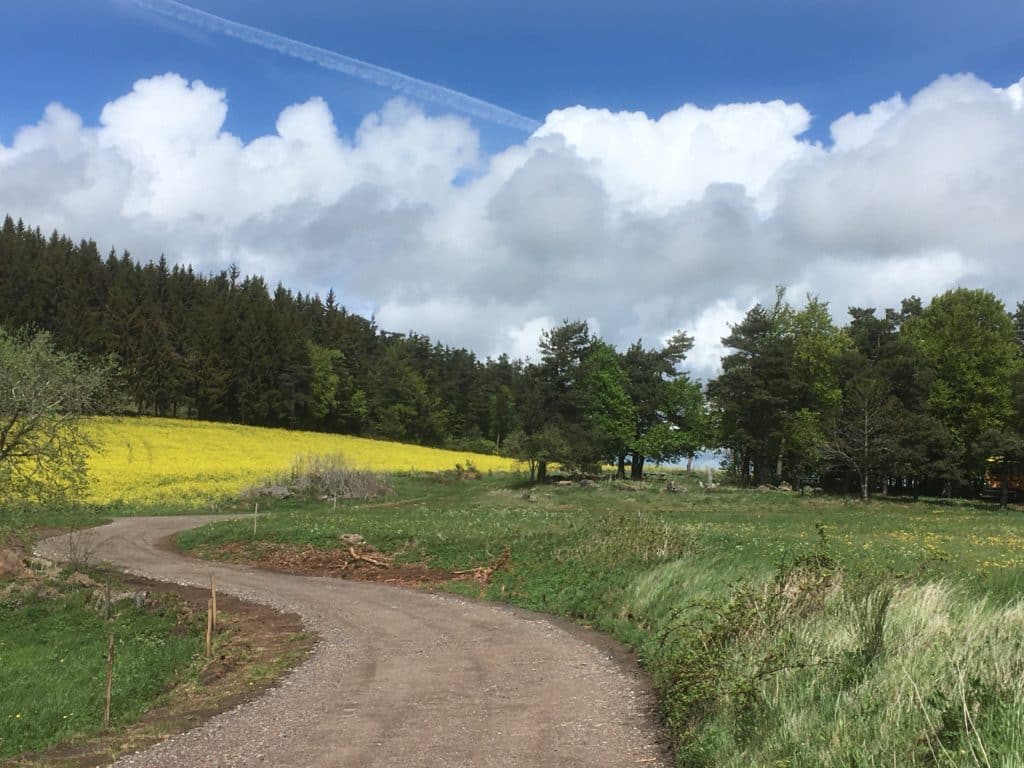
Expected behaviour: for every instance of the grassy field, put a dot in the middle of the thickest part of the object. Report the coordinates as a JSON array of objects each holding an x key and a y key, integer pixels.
[
  {"x": 779, "y": 630},
  {"x": 53, "y": 646}
]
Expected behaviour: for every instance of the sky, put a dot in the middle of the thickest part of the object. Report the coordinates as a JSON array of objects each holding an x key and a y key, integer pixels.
[{"x": 481, "y": 171}]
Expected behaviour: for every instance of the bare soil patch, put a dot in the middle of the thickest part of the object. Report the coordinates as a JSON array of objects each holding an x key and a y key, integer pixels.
[{"x": 356, "y": 561}]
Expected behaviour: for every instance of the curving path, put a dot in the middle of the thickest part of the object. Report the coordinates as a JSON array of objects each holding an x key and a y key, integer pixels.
[{"x": 400, "y": 678}]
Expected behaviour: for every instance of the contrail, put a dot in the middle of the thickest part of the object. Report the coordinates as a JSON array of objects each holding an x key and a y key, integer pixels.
[{"x": 388, "y": 78}]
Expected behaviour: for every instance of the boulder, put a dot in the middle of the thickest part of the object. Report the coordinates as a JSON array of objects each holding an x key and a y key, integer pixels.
[
  {"x": 80, "y": 579},
  {"x": 784, "y": 486},
  {"x": 12, "y": 566},
  {"x": 267, "y": 491}
]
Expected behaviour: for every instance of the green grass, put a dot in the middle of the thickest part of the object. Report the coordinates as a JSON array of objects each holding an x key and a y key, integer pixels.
[
  {"x": 779, "y": 630},
  {"x": 53, "y": 664}
]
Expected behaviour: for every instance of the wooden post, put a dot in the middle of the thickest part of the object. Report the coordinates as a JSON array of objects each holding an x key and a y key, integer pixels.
[
  {"x": 213, "y": 601},
  {"x": 255, "y": 513},
  {"x": 209, "y": 627},
  {"x": 110, "y": 681}
]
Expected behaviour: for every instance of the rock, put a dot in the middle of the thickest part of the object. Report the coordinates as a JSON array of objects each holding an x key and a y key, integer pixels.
[
  {"x": 11, "y": 565},
  {"x": 137, "y": 597},
  {"x": 564, "y": 483},
  {"x": 15, "y": 590},
  {"x": 275, "y": 492},
  {"x": 587, "y": 483},
  {"x": 672, "y": 487},
  {"x": 764, "y": 488},
  {"x": 784, "y": 486},
  {"x": 352, "y": 539},
  {"x": 80, "y": 579},
  {"x": 267, "y": 491}
]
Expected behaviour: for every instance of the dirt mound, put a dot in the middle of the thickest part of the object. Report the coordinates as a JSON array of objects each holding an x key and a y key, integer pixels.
[{"x": 12, "y": 566}]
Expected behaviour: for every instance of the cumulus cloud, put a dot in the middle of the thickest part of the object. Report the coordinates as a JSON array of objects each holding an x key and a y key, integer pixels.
[{"x": 644, "y": 225}]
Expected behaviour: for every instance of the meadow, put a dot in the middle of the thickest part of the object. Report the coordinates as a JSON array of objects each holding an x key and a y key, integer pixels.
[{"x": 779, "y": 630}]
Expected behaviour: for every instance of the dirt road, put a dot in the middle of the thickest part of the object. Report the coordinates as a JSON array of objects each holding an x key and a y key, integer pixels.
[{"x": 400, "y": 678}]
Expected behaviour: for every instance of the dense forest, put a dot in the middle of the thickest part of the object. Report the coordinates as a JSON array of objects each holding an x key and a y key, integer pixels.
[{"x": 905, "y": 400}]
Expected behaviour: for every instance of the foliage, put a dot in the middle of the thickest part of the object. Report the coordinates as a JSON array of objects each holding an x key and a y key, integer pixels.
[
  {"x": 44, "y": 393},
  {"x": 968, "y": 339},
  {"x": 330, "y": 476},
  {"x": 865, "y": 435}
]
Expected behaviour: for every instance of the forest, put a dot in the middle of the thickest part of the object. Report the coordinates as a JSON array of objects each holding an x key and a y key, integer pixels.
[{"x": 916, "y": 399}]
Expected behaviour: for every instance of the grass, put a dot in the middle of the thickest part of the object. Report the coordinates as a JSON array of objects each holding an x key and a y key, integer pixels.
[
  {"x": 53, "y": 647},
  {"x": 779, "y": 630}
]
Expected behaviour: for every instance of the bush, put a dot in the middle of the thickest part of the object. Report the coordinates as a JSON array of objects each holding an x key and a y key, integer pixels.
[{"x": 328, "y": 475}]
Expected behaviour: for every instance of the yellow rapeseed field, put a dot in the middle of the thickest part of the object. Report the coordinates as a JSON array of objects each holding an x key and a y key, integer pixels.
[{"x": 147, "y": 460}]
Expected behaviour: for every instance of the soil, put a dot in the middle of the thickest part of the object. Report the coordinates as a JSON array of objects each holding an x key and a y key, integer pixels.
[
  {"x": 403, "y": 677},
  {"x": 361, "y": 563}
]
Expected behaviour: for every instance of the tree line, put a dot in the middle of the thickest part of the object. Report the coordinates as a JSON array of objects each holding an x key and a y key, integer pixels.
[
  {"x": 910, "y": 400},
  {"x": 916, "y": 399}
]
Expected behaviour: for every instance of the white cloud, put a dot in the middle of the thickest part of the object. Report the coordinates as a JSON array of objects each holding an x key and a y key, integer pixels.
[{"x": 641, "y": 225}]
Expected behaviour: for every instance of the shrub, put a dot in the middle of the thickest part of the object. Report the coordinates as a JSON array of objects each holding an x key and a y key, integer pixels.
[{"x": 328, "y": 475}]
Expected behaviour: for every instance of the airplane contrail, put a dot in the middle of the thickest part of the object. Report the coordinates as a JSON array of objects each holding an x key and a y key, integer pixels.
[{"x": 337, "y": 62}]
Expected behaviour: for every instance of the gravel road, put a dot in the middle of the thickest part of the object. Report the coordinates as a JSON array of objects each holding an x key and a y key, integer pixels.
[{"x": 400, "y": 677}]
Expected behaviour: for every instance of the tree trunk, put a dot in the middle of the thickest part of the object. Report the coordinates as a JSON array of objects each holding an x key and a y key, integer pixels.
[
  {"x": 1004, "y": 490},
  {"x": 689, "y": 462},
  {"x": 636, "y": 471},
  {"x": 885, "y": 487},
  {"x": 620, "y": 473},
  {"x": 542, "y": 471},
  {"x": 864, "y": 487}
]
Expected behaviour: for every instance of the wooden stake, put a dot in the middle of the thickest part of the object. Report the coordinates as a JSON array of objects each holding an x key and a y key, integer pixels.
[
  {"x": 255, "y": 512},
  {"x": 209, "y": 627},
  {"x": 213, "y": 601},
  {"x": 110, "y": 681}
]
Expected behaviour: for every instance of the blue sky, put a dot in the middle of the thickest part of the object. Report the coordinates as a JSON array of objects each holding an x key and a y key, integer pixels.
[
  {"x": 791, "y": 162},
  {"x": 531, "y": 56}
]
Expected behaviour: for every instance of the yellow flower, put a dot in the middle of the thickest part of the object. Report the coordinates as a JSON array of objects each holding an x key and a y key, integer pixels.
[{"x": 148, "y": 460}]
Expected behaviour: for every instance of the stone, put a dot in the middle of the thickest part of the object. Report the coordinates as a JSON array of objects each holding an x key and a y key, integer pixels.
[
  {"x": 352, "y": 539},
  {"x": 267, "y": 491},
  {"x": 587, "y": 483},
  {"x": 784, "y": 486},
  {"x": 80, "y": 579}
]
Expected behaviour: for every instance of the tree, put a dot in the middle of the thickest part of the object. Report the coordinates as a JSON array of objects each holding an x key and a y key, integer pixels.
[
  {"x": 865, "y": 436},
  {"x": 650, "y": 374},
  {"x": 968, "y": 340},
  {"x": 755, "y": 390},
  {"x": 44, "y": 393}
]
